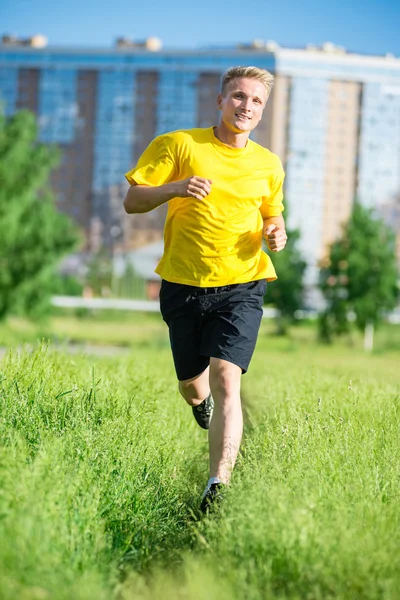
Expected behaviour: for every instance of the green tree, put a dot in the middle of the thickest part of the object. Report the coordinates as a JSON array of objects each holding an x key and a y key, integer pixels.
[
  {"x": 360, "y": 277},
  {"x": 33, "y": 234},
  {"x": 286, "y": 293}
]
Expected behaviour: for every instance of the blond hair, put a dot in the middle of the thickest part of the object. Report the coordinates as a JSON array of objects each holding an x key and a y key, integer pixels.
[{"x": 250, "y": 73}]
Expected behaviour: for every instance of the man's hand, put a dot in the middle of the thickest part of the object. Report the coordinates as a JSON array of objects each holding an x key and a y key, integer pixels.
[
  {"x": 144, "y": 198},
  {"x": 276, "y": 237},
  {"x": 193, "y": 187}
]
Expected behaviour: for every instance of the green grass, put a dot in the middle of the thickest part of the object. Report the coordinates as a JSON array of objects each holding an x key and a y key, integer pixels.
[
  {"x": 130, "y": 329},
  {"x": 102, "y": 468},
  {"x": 127, "y": 329}
]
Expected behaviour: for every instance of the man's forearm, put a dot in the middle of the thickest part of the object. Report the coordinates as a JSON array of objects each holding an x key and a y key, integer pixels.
[{"x": 144, "y": 198}]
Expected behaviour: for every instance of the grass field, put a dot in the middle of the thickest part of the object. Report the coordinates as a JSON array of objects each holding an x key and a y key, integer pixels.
[
  {"x": 102, "y": 468},
  {"x": 128, "y": 330}
]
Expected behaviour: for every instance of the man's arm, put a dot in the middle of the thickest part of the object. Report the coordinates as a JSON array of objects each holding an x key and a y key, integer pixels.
[
  {"x": 144, "y": 198},
  {"x": 275, "y": 233}
]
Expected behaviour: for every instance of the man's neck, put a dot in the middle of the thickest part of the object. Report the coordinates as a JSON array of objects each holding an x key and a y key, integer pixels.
[{"x": 230, "y": 138}]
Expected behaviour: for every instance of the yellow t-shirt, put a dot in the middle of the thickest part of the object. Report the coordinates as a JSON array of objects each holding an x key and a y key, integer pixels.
[{"x": 218, "y": 240}]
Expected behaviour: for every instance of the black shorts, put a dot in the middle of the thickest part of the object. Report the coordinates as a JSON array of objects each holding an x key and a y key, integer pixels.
[{"x": 220, "y": 322}]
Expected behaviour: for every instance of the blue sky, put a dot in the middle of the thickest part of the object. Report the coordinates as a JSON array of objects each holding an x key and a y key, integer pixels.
[{"x": 366, "y": 26}]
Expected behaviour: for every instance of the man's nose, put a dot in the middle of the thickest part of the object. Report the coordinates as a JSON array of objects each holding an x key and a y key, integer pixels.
[{"x": 246, "y": 103}]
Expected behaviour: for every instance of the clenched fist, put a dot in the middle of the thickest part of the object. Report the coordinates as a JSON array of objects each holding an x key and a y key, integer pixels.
[
  {"x": 193, "y": 187},
  {"x": 276, "y": 238}
]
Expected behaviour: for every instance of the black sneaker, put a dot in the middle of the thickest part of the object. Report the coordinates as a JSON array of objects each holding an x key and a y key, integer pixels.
[
  {"x": 203, "y": 412},
  {"x": 212, "y": 496}
]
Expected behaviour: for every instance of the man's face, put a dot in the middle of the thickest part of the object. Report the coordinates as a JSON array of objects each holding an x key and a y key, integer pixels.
[{"x": 242, "y": 104}]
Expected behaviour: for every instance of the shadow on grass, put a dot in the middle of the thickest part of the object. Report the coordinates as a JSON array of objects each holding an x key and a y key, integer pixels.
[{"x": 157, "y": 528}]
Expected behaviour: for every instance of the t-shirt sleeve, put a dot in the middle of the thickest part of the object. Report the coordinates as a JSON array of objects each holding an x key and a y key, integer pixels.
[
  {"x": 157, "y": 165},
  {"x": 272, "y": 205}
]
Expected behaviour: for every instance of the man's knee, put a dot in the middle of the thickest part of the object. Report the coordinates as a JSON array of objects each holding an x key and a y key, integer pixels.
[
  {"x": 189, "y": 392},
  {"x": 225, "y": 379},
  {"x": 196, "y": 389}
]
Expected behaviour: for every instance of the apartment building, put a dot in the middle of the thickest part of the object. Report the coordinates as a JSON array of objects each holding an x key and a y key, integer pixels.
[{"x": 333, "y": 118}]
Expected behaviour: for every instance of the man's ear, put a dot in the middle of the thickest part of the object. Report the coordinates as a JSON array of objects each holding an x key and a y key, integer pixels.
[{"x": 219, "y": 101}]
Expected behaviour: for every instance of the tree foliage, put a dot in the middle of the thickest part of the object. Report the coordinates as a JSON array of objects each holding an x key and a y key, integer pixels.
[
  {"x": 360, "y": 277},
  {"x": 286, "y": 293},
  {"x": 33, "y": 234}
]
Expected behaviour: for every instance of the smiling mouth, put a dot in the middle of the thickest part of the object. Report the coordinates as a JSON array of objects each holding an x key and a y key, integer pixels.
[{"x": 242, "y": 117}]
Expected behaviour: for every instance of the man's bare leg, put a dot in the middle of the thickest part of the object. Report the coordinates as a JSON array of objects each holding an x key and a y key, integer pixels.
[
  {"x": 226, "y": 428},
  {"x": 196, "y": 389},
  {"x": 196, "y": 392}
]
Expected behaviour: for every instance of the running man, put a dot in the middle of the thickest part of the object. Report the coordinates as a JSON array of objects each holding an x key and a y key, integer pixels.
[{"x": 224, "y": 193}]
